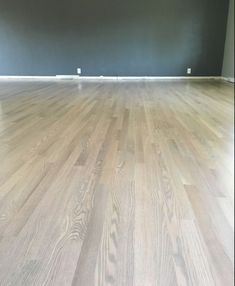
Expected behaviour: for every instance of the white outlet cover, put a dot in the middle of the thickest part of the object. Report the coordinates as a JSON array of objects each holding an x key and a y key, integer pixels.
[
  {"x": 189, "y": 70},
  {"x": 79, "y": 70}
]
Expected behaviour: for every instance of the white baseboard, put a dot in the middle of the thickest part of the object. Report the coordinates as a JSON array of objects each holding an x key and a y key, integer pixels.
[
  {"x": 147, "y": 78},
  {"x": 109, "y": 78},
  {"x": 67, "y": 77},
  {"x": 229, "y": 79},
  {"x": 6, "y": 77}
]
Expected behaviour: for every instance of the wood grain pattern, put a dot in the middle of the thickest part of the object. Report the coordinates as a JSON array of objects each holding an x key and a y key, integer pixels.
[{"x": 116, "y": 183}]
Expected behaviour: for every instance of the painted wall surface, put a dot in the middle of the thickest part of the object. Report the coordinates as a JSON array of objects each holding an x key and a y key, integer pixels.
[
  {"x": 112, "y": 37},
  {"x": 228, "y": 66}
]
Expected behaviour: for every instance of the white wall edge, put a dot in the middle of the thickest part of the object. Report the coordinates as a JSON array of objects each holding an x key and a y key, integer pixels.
[{"x": 111, "y": 78}]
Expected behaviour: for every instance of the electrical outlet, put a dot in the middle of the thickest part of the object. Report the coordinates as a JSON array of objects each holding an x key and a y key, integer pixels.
[
  {"x": 79, "y": 70},
  {"x": 189, "y": 70}
]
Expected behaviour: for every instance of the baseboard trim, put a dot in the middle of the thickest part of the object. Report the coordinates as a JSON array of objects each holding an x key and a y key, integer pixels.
[
  {"x": 147, "y": 78},
  {"x": 228, "y": 79},
  {"x": 110, "y": 78},
  {"x": 3, "y": 77}
]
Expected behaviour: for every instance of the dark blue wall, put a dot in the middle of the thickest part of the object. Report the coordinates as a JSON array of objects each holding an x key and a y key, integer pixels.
[{"x": 112, "y": 37}]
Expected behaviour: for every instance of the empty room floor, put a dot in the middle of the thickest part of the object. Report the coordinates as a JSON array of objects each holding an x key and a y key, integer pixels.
[{"x": 116, "y": 183}]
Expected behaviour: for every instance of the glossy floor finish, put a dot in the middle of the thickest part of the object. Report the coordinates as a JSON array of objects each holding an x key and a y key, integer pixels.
[{"x": 116, "y": 183}]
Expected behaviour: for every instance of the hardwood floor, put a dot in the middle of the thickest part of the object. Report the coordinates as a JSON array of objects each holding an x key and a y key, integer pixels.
[{"x": 116, "y": 183}]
